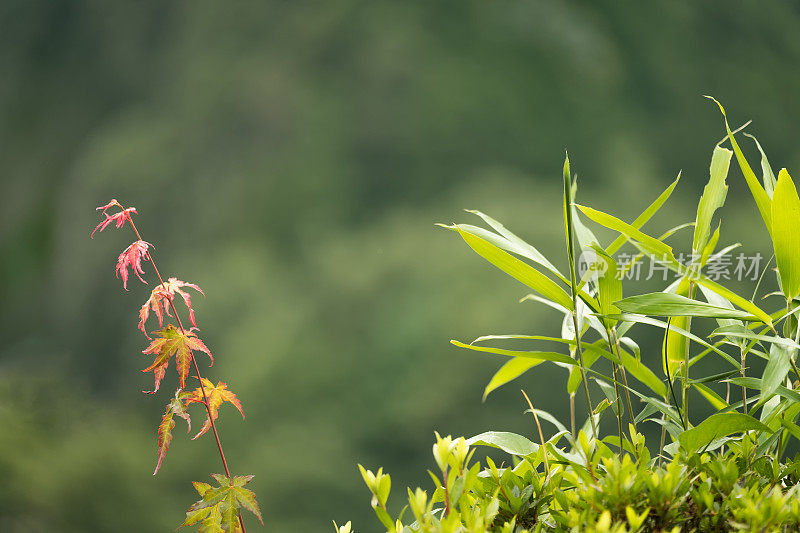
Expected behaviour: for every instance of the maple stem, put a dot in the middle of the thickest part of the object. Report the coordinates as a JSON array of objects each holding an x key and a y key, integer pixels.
[{"x": 194, "y": 362}]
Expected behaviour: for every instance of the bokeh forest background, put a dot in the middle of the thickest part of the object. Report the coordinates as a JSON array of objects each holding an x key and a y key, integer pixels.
[{"x": 292, "y": 158}]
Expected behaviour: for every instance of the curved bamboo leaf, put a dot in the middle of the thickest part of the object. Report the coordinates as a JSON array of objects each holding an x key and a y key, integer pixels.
[{"x": 515, "y": 268}]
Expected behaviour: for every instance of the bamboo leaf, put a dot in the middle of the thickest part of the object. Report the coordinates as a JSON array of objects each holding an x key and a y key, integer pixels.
[
  {"x": 758, "y": 192},
  {"x": 735, "y": 299},
  {"x": 741, "y": 332},
  {"x": 508, "y": 442},
  {"x": 713, "y": 196},
  {"x": 785, "y": 234},
  {"x": 668, "y": 304},
  {"x": 650, "y": 244},
  {"x": 646, "y": 215},
  {"x": 713, "y": 398},
  {"x": 609, "y": 287},
  {"x": 515, "y": 268},
  {"x": 775, "y": 373},
  {"x": 755, "y": 384},
  {"x": 538, "y": 356},
  {"x": 717, "y": 426},
  {"x": 508, "y": 372},
  {"x": 516, "y": 244},
  {"x": 768, "y": 176},
  {"x": 641, "y": 319}
]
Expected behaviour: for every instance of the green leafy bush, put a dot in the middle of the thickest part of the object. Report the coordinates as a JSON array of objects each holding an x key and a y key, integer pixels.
[{"x": 724, "y": 472}]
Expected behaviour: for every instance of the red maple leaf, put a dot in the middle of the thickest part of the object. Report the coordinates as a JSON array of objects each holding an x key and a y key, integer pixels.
[
  {"x": 132, "y": 257},
  {"x": 174, "y": 407},
  {"x": 216, "y": 395},
  {"x": 169, "y": 342},
  {"x": 160, "y": 299},
  {"x": 119, "y": 217}
]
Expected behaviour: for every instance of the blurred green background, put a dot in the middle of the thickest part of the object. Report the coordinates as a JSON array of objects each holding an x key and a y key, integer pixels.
[{"x": 291, "y": 158}]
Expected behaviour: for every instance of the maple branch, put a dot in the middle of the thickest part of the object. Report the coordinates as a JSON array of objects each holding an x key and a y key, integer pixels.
[{"x": 194, "y": 362}]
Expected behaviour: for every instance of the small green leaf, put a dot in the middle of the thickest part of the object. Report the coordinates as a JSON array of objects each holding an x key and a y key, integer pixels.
[
  {"x": 785, "y": 234},
  {"x": 508, "y": 442},
  {"x": 717, "y": 426}
]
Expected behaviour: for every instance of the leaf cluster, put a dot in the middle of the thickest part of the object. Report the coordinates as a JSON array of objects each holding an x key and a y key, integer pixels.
[
  {"x": 727, "y": 490},
  {"x": 723, "y": 472}
]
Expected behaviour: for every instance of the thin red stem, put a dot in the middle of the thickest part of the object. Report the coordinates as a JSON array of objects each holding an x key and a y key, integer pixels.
[{"x": 194, "y": 362}]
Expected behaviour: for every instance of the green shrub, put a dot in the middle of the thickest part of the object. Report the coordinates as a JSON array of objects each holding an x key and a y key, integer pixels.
[{"x": 725, "y": 472}]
